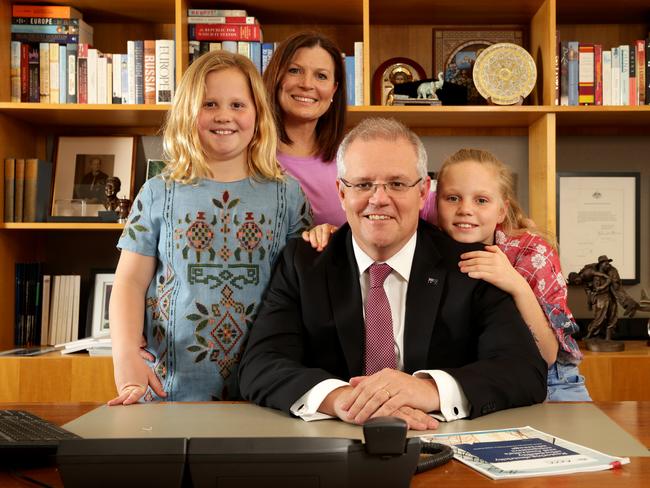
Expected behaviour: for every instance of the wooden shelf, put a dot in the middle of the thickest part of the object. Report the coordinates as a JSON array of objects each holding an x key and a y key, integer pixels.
[
  {"x": 627, "y": 116},
  {"x": 602, "y": 11},
  {"x": 61, "y": 226},
  {"x": 80, "y": 115},
  {"x": 150, "y": 11}
]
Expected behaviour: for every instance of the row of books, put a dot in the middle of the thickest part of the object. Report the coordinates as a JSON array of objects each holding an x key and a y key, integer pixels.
[
  {"x": 77, "y": 73},
  {"x": 27, "y": 189},
  {"x": 590, "y": 75},
  {"x": 222, "y": 25}
]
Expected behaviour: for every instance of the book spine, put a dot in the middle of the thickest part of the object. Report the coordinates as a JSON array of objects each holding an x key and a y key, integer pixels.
[
  {"x": 18, "y": 304},
  {"x": 54, "y": 73},
  {"x": 124, "y": 72},
  {"x": 14, "y": 69},
  {"x": 616, "y": 76},
  {"x": 24, "y": 72},
  {"x": 607, "y": 77},
  {"x": 349, "y": 79},
  {"x": 102, "y": 68},
  {"x": 225, "y": 32},
  {"x": 45, "y": 309},
  {"x": 43, "y": 21},
  {"x": 640, "y": 73},
  {"x": 34, "y": 73},
  {"x": 230, "y": 46},
  {"x": 44, "y": 29},
  {"x": 564, "y": 73},
  {"x": 29, "y": 206},
  {"x": 63, "y": 74},
  {"x": 586, "y": 69},
  {"x": 358, "y": 73},
  {"x": 139, "y": 72},
  {"x": 220, "y": 19},
  {"x": 165, "y": 68},
  {"x": 117, "y": 79},
  {"x": 19, "y": 190},
  {"x": 149, "y": 72},
  {"x": 43, "y": 186},
  {"x": 598, "y": 74},
  {"x": 267, "y": 52},
  {"x": 44, "y": 75},
  {"x": 32, "y": 37},
  {"x": 10, "y": 182},
  {"x": 573, "y": 72},
  {"x": 109, "y": 78},
  {"x": 244, "y": 48},
  {"x": 633, "y": 93},
  {"x": 213, "y": 46},
  {"x": 556, "y": 69},
  {"x": 624, "y": 52},
  {"x": 71, "y": 81},
  {"x": 203, "y": 12},
  {"x": 91, "y": 68},
  {"x": 647, "y": 71},
  {"x": 256, "y": 55},
  {"x": 194, "y": 50},
  {"x": 82, "y": 80},
  {"x": 54, "y": 11}
]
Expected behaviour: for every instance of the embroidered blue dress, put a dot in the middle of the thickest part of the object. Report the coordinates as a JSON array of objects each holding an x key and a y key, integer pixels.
[{"x": 215, "y": 244}]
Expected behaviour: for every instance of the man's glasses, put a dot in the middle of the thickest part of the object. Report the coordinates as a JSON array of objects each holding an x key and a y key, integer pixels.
[{"x": 369, "y": 187}]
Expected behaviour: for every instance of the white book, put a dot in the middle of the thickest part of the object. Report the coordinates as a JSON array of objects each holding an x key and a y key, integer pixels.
[
  {"x": 117, "y": 78},
  {"x": 64, "y": 309},
  {"x": 358, "y": 73},
  {"x": 165, "y": 71},
  {"x": 244, "y": 48},
  {"x": 44, "y": 72},
  {"x": 616, "y": 76},
  {"x": 102, "y": 70},
  {"x": 109, "y": 78},
  {"x": 624, "y": 51},
  {"x": 45, "y": 310},
  {"x": 93, "y": 56},
  {"x": 63, "y": 74},
  {"x": 74, "y": 320},
  {"x": 219, "y": 20},
  {"x": 54, "y": 73},
  {"x": 230, "y": 46},
  {"x": 124, "y": 72},
  {"x": 54, "y": 309},
  {"x": 15, "y": 71},
  {"x": 130, "y": 49},
  {"x": 607, "y": 77}
]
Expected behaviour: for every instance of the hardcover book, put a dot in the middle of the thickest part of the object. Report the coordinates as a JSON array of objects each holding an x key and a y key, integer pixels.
[
  {"x": 564, "y": 73},
  {"x": 55, "y": 96},
  {"x": 34, "y": 73},
  {"x": 19, "y": 190},
  {"x": 149, "y": 71},
  {"x": 15, "y": 71},
  {"x": 71, "y": 51},
  {"x": 10, "y": 181},
  {"x": 211, "y": 12},
  {"x": 38, "y": 179},
  {"x": 640, "y": 69},
  {"x": 222, "y": 20},
  {"x": 598, "y": 74},
  {"x": 225, "y": 32},
  {"x": 55, "y": 11},
  {"x": 572, "y": 88},
  {"x": 607, "y": 77},
  {"x": 44, "y": 72},
  {"x": 165, "y": 69}
]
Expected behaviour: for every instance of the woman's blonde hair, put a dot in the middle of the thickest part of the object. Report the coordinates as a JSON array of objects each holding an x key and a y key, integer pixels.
[
  {"x": 515, "y": 221},
  {"x": 187, "y": 159}
]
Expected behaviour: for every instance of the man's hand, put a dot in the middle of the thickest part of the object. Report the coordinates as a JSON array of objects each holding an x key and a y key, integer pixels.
[
  {"x": 319, "y": 236},
  {"x": 386, "y": 392},
  {"x": 415, "y": 418}
]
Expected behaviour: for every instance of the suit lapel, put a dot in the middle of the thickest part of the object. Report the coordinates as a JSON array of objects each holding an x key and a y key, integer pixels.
[
  {"x": 425, "y": 288},
  {"x": 345, "y": 292}
]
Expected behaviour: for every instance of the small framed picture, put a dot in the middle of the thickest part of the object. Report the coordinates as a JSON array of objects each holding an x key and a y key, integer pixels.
[
  {"x": 455, "y": 52},
  {"x": 82, "y": 166},
  {"x": 391, "y": 72},
  {"x": 101, "y": 300},
  {"x": 155, "y": 167}
]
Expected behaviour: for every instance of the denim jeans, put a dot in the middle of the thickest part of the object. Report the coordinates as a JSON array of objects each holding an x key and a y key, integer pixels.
[{"x": 566, "y": 384}]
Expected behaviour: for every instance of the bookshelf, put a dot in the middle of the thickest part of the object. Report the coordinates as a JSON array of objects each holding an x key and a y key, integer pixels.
[{"x": 388, "y": 29}]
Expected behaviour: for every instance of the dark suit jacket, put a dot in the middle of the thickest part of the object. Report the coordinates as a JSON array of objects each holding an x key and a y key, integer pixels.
[{"x": 310, "y": 327}]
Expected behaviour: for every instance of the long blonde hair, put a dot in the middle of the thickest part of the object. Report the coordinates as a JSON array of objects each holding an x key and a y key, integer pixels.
[
  {"x": 187, "y": 159},
  {"x": 515, "y": 222}
]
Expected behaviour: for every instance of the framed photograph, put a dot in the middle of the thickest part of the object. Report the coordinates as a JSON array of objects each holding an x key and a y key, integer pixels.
[
  {"x": 598, "y": 214},
  {"x": 154, "y": 167},
  {"x": 82, "y": 165},
  {"x": 101, "y": 300},
  {"x": 392, "y": 72},
  {"x": 455, "y": 52}
]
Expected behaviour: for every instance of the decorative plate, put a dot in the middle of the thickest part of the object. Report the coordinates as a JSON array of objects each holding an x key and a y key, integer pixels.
[{"x": 504, "y": 73}]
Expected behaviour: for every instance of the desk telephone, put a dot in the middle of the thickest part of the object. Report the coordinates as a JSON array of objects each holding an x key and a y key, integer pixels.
[{"x": 386, "y": 459}]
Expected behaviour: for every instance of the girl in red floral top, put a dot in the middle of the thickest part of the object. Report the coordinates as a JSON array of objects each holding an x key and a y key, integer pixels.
[{"x": 476, "y": 203}]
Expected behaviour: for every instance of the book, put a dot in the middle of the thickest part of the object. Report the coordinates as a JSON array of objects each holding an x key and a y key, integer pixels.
[
  {"x": 10, "y": 182},
  {"x": 37, "y": 37},
  {"x": 45, "y": 309},
  {"x": 256, "y": 55},
  {"x": 358, "y": 73},
  {"x": 55, "y": 96},
  {"x": 34, "y": 73},
  {"x": 523, "y": 452},
  {"x": 44, "y": 21},
  {"x": 586, "y": 70},
  {"x": 86, "y": 344},
  {"x": 165, "y": 70},
  {"x": 647, "y": 71},
  {"x": 212, "y": 12},
  {"x": 91, "y": 69},
  {"x": 24, "y": 72},
  {"x": 616, "y": 76},
  {"x": 14, "y": 69},
  {"x": 139, "y": 71},
  {"x": 564, "y": 73},
  {"x": 63, "y": 74},
  {"x": 633, "y": 90},
  {"x": 71, "y": 52},
  {"x": 117, "y": 79},
  {"x": 225, "y": 32},
  {"x": 102, "y": 73},
  {"x": 38, "y": 178},
  {"x": 624, "y": 52},
  {"x": 19, "y": 187},
  {"x": 607, "y": 77},
  {"x": 267, "y": 52},
  {"x": 44, "y": 71},
  {"x": 27, "y": 351},
  {"x": 598, "y": 74},
  {"x": 348, "y": 61},
  {"x": 640, "y": 67},
  {"x": 573, "y": 77},
  {"x": 149, "y": 75},
  {"x": 54, "y": 11},
  {"x": 221, "y": 19},
  {"x": 44, "y": 29}
]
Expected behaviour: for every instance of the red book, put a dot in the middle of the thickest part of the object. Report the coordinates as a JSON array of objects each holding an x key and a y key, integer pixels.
[
  {"x": 586, "y": 85},
  {"x": 222, "y": 20},
  {"x": 640, "y": 70},
  {"x": 598, "y": 74},
  {"x": 633, "y": 92},
  {"x": 149, "y": 71},
  {"x": 24, "y": 72},
  {"x": 225, "y": 32},
  {"x": 53, "y": 11},
  {"x": 82, "y": 73}
]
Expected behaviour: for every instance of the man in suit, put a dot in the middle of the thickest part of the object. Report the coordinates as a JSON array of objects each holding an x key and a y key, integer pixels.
[{"x": 331, "y": 340}]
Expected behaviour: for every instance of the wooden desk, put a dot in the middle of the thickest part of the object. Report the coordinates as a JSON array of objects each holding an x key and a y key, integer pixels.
[
  {"x": 618, "y": 376},
  {"x": 634, "y": 417}
]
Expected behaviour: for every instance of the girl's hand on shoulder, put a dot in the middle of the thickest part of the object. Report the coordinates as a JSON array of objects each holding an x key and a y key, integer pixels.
[
  {"x": 493, "y": 266},
  {"x": 132, "y": 377},
  {"x": 319, "y": 236}
]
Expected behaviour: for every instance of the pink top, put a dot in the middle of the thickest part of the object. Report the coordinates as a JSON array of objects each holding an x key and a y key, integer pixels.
[{"x": 318, "y": 181}]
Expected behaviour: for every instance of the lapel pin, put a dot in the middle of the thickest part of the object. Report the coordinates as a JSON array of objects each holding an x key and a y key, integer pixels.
[{"x": 432, "y": 281}]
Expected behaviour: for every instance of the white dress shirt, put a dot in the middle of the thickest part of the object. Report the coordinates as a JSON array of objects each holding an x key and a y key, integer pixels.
[{"x": 453, "y": 403}]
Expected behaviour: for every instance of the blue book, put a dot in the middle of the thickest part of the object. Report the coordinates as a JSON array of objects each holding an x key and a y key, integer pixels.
[
  {"x": 256, "y": 55},
  {"x": 573, "y": 72},
  {"x": 267, "y": 52},
  {"x": 139, "y": 72},
  {"x": 349, "y": 79}
]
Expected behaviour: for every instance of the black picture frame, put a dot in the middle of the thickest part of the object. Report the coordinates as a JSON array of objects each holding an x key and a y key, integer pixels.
[{"x": 622, "y": 186}]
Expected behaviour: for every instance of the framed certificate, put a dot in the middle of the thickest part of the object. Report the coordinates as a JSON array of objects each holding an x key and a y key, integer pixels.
[{"x": 598, "y": 214}]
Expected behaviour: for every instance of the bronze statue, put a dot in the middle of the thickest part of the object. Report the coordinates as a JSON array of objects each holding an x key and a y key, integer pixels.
[
  {"x": 111, "y": 189},
  {"x": 124, "y": 205},
  {"x": 604, "y": 291}
]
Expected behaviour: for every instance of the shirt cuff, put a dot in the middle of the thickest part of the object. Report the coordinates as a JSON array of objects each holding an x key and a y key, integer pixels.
[
  {"x": 453, "y": 402},
  {"x": 306, "y": 407}
]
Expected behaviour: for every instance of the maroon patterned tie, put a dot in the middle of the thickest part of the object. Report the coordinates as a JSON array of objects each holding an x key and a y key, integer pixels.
[{"x": 380, "y": 352}]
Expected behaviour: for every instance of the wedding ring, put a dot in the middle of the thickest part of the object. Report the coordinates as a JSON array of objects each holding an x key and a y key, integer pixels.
[{"x": 387, "y": 392}]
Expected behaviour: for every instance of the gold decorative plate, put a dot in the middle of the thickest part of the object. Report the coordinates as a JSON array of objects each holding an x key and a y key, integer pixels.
[{"x": 504, "y": 73}]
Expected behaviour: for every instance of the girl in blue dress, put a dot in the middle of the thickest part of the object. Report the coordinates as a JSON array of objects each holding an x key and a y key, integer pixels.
[{"x": 201, "y": 239}]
